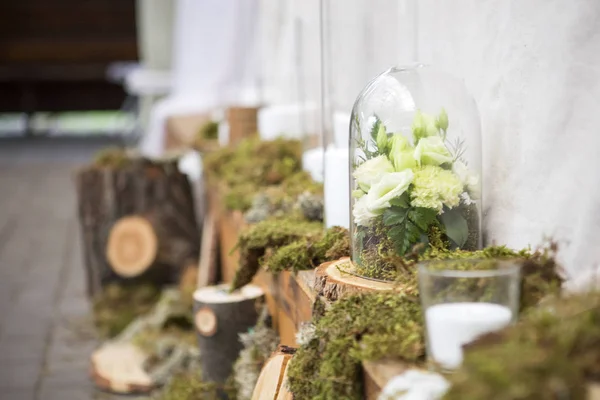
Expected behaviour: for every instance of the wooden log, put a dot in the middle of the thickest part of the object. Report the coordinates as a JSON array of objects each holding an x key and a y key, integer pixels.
[
  {"x": 272, "y": 382},
  {"x": 243, "y": 123},
  {"x": 220, "y": 317},
  {"x": 333, "y": 282},
  {"x": 117, "y": 244}
]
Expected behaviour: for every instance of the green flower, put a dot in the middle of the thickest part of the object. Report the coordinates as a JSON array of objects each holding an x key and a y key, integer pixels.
[
  {"x": 371, "y": 172},
  {"x": 382, "y": 139},
  {"x": 442, "y": 121},
  {"x": 432, "y": 151},
  {"x": 423, "y": 126},
  {"x": 435, "y": 187},
  {"x": 401, "y": 153},
  {"x": 391, "y": 186}
]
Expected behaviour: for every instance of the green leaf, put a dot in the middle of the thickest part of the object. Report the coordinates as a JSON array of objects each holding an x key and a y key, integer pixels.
[
  {"x": 375, "y": 128},
  {"x": 401, "y": 201},
  {"x": 456, "y": 226},
  {"x": 394, "y": 216},
  {"x": 422, "y": 217}
]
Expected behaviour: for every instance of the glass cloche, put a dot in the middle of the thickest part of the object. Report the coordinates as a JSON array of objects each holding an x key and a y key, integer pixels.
[{"x": 415, "y": 155}]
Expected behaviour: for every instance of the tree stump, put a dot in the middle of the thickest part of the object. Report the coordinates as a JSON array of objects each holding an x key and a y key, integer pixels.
[
  {"x": 138, "y": 222},
  {"x": 272, "y": 382},
  {"x": 333, "y": 282},
  {"x": 220, "y": 317}
]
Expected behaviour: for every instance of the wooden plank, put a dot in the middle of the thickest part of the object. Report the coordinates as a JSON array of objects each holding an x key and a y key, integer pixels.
[
  {"x": 182, "y": 129},
  {"x": 376, "y": 375},
  {"x": 289, "y": 297},
  {"x": 42, "y": 50}
]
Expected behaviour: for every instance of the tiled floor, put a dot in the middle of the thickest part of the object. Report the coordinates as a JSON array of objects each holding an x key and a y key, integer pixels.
[{"x": 46, "y": 335}]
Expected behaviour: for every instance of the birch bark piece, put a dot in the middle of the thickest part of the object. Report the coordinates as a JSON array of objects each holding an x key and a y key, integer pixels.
[
  {"x": 333, "y": 282},
  {"x": 118, "y": 367},
  {"x": 220, "y": 317},
  {"x": 284, "y": 393},
  {"x": 132, "y": 246},
  {"x": 270, "y": 383}
]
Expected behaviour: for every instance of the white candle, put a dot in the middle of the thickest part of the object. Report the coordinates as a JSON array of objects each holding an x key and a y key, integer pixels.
[
  {"x": 293, "y": 121},
  {"x": 337, "y": 191},
  {"x": 341, "y": 129},
  {"x": 312, "y": 162},
  {"x": 452, "y": 325}
]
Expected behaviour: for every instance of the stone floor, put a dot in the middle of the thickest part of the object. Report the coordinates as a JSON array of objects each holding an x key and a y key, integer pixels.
[{"x": 46, "y": 334}]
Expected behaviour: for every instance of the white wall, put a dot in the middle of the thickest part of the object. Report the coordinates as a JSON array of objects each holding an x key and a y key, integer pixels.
[{"x": 533, "y": 67}]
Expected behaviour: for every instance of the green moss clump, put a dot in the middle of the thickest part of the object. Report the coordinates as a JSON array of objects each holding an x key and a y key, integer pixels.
[
  {"x": 112, "y": 157},
  {"x": 119, "y": 304},
  {"x": 288, "y": 244},
  {"x": 356, "y": 328},
  {"x": 269, "y": 234},
  {"x": 310, "y": 251},
  {"x": 190, "y": 386},
  {"x": 539, "y": 269},
  {"x": 209, "y": 131},
  {"x": 253, "y": 165},
  {"x": 552, "y": 353}
]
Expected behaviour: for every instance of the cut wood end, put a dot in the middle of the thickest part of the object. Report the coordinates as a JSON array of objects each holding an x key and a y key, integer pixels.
[
  {"x": 220, "y": 294},
  {"x": 333, "y": 282},
  {"x": 206, "y": 321},
  {"x": 269, "y": 385},
  {"x": 118, "y": 367},
  {"x": 132, "y": 246}
]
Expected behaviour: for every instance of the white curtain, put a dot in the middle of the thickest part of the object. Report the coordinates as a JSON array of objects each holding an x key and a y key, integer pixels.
[{"x": 214, "y": 62}]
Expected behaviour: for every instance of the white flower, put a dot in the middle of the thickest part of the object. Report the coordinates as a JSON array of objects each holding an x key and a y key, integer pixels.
[
  {"x": 371, "y": 172},
  {"x": 469, "y": 179},
  {"x": 466, "y": 198},
  {"x": 415, "y": 385},
  {"x": 391, "y": 186},
  {"x": 432, "y": 151},
  {"x": 361, "y": 213}
]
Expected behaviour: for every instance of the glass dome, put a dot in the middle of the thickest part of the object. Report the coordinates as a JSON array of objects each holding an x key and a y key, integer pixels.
[{"x": 415, "y": 151}]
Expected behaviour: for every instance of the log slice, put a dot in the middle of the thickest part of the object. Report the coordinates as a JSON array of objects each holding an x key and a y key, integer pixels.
[
  {"x": 334, "y": 280},
  {"x": 220, "y": 316}
]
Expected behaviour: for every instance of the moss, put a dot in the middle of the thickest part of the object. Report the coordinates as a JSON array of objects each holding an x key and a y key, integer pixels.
[
  {"x": 259, "y": 343},
  {"x": 288, "y": 244},
  {"x": 262, "y": 163},
  {"x": 269, "y": 234},
  {"x": 373, "y": 253},
  {"x": 551, "y": 353},
  {"x": 190, "y": 386},
  {"x": 210, "y": 131},
  {"x": 310, "y": 251},
  {"x": 180, "y": 330},
  {"x": 112, "y": 157},
  {"x": 355, "y": 329},
  {"x": 119, "y": 304},
  {"x": 539, "y": 269}
]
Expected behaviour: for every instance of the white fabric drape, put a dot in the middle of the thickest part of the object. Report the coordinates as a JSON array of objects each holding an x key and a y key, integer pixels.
[{"x": 214, "y": 62}]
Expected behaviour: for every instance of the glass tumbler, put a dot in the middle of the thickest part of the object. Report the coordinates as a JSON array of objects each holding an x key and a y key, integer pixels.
[{"x": 462, "y": 300}]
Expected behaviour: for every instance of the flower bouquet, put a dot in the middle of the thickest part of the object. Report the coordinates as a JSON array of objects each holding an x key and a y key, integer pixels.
[{"x": 410, "y": 189}]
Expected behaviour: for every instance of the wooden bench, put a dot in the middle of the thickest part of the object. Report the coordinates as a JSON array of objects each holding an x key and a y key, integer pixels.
[{"x": 54, "y": 54}]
